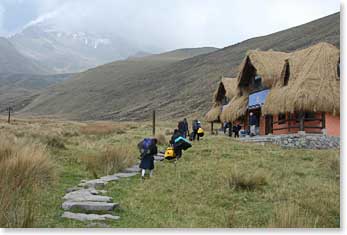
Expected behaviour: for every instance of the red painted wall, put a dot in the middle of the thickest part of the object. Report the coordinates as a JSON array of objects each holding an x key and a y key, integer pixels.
[{"x": 332, "y": 124}]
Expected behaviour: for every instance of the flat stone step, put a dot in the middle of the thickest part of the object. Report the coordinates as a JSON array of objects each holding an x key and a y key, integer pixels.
[
  {"x": 88, "y": 217},
  {"x": 125, "y": 175},
  {"x": 83, "y": 191},
  {"x": 90, "y": 198},
  {"x": 89, "y": 206},
  {"x": 158, "y": 158},
  {"x": 69, "y": 190},
  {"x": 109, "y": 178},
  {"x": 97, "y": 183},
  {"x": 132, "y": 169}
]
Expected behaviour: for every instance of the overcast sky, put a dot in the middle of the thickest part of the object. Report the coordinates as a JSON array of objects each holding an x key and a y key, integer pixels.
[{"x": 167, "y": 24}]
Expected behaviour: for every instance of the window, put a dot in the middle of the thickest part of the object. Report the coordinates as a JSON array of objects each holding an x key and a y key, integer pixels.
[
  {"x": 257, "y": 81},
  {"x": 310, "y": 115},
  {"x": 281, "y": 118},
  {"x": 225, "y": 100}
]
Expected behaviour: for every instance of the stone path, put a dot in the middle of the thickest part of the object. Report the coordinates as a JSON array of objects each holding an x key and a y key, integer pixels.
[{"x": 86, "y": 202}]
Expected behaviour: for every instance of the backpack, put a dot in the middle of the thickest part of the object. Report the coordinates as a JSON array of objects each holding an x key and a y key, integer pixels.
[
  {"x": 181, "y": 126},
  {"x": 146, "y": 146}
]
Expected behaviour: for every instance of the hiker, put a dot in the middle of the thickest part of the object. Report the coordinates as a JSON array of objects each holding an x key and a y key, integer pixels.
[
  {"x": 186, "y": 128},
  {"x": 182, "y": 128},
  {"x": 236, "y": 130},
  {"x": 225, "y": 127},
  {"x": 196, "y": 126},
  {"x": 177, "y": 149},
  {"x": 148, "y": 148},
  {"x": 253, "y": 122}
]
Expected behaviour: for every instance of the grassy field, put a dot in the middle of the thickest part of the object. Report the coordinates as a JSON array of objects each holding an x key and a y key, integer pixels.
[{"x": 219, "y": 182}]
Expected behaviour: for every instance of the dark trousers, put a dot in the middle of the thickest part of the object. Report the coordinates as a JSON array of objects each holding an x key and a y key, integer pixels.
[
  {"x": 236, "y": 134},
  {"x": 195, "y": 134}
]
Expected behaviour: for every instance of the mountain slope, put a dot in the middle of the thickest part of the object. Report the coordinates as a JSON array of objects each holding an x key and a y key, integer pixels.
[
  {"x": 11, "y": 61},
  {"x": 132, "y": 89},
  {"x": 17, "y": 90},
  {"x": 65, "y": 52}
]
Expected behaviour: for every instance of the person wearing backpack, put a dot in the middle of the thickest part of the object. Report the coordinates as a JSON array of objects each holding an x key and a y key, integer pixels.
[
  {"x": 148, "y": 148},
  {"x": 196, "y": 126},
  {"x": 179, "y": 143},
  {"x": 182, "y": 128}
]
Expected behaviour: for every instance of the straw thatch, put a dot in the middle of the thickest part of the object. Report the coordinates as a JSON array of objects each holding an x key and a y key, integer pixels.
[
  {"x": 313, "y": 82},
  {"x": 266, "y": 64},
  {"x": 226, "y": 88},
  {"x": 236, "y": 108},
  {"x": 213, "y": 114}
]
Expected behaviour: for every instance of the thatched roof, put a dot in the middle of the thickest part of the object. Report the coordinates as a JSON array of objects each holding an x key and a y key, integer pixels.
[
  {"x": 213, "y": 114},
  {"x": 236, "y": 108},
  {"x": 226, "y": 88},
  {"x": 312, "y": 82},
  {"x": 267, "y": 64}
]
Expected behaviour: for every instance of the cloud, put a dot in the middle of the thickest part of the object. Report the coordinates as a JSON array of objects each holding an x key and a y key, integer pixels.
[
  {"x": 165, "y": 24},
  {"x": 2, "y": 30}
]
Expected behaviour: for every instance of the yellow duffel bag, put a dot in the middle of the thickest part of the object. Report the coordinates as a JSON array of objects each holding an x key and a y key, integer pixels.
[
  {"x": 200, "y": 132},
  {"x": 169, "y": 153}
]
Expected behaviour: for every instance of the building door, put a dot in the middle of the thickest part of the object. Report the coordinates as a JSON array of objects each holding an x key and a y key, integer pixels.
[{"x": 268, "y": 124}]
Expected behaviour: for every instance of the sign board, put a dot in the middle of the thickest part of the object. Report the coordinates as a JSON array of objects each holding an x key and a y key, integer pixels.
[{"x": 257, "y": 99}]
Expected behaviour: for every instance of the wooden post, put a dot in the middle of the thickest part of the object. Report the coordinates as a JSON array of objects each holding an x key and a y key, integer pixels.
[
  {"x": 211, "y": 128},
  {"x": 302, "y": 116},
  {"x": 323, "y": 120},
  {"x": 153, "y": 124},
  {"x": 9, "y": 114}
]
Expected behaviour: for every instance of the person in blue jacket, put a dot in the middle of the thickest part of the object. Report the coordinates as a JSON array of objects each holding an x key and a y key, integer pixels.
[{"x": 148, "y": 148}]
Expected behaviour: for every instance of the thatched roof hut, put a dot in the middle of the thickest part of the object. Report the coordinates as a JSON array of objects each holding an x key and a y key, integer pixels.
[
  {"x": 309, "y": 81},
  {"x": 236, "y": 108},
  {"x": 266, "y": 64},
  {"x": 226, "y": 91}
]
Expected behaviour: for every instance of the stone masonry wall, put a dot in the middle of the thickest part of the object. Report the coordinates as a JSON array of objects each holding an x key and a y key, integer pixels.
[{"x": 307, "y": 141}]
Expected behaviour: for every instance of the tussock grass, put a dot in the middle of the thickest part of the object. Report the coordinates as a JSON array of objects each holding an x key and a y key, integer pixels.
[
  {"x": 55, "y": 142},
  {"x": 247, "y": 181},
  {"x": 110, "y": 160},
  {"x": 290, "y": 215},
  {"x": 99, "y": 129},
  {"x": 25, "y": 170},
  {"x": 161, "y": 139}
]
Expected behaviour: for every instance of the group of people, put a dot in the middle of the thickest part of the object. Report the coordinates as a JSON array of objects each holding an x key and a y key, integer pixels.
[
  {"x": 233, "y": 129},
  {"x": 148, "y": 147},
  {"x": 236, "y": 129}
]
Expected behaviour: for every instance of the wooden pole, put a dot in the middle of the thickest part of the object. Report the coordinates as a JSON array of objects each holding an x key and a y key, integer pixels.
[
  {"x": 153, "y": 131},
  {"x": 302, "y": 115},
  {"x": 211, "y": 128},
  {"x": 9, "y": 115},
  {"x": 323, "y": 120}
]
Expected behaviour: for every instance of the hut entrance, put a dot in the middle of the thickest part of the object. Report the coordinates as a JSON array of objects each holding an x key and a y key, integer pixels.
[{"x": 268, "y": 124}]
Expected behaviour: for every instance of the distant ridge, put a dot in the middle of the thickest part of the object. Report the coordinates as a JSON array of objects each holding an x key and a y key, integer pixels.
[{"x": 131, "y": 89}]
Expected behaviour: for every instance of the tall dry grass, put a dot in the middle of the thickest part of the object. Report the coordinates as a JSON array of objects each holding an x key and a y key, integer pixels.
[
  {"x": 161, "y": 139},
  {"x": 290, "y": 215},
  {"x": 113, "y": 159},
  {"x": 103, "y": 128},
  {"x": 25, "y": 170}
]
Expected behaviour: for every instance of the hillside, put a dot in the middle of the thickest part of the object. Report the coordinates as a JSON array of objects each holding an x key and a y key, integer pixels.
[
  {"x": 17, "y": 90},
  {"x": 11, "y": 61},
  {"x": 66, "y": 52},
  {"x": 130, "y": 90}
]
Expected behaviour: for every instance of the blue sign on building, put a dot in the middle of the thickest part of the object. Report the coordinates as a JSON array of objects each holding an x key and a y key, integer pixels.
[{"x": 257, "y": 99}]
